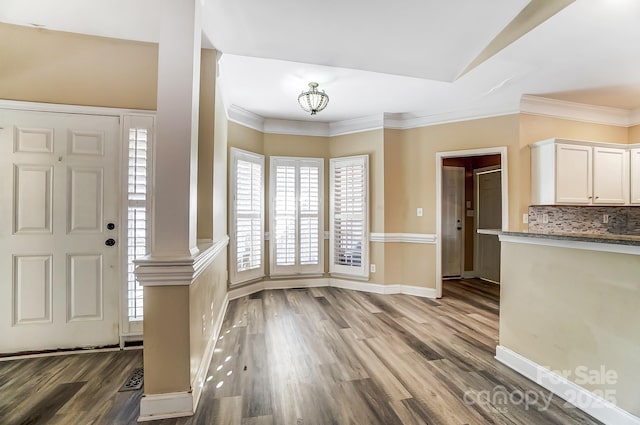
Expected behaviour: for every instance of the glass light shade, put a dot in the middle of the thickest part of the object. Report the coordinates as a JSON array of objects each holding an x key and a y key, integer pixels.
[{"x": 313, "y": 100}]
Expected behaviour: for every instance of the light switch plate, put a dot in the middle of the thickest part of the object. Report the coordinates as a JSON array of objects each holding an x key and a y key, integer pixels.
[
  {"x": 525, "y": 218},
  {"x": 419, "y": 212}
]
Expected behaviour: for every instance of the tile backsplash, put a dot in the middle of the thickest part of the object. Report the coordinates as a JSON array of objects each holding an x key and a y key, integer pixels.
[{"x": 584, "y": 219}]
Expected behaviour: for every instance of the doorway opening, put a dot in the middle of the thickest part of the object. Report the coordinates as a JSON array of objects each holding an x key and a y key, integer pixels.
[{"x": 471, "y": 209}]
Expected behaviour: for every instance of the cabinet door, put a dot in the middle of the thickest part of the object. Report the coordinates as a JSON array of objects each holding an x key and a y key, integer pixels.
[
  {"x": 635, "y": 176},
  {"x": 610, "y": 176},
  {"x": 573, "y": 174}
]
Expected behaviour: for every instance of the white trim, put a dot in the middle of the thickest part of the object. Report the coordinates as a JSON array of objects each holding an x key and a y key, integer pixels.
[
  {"x": 355, "y": 285},
  {"x": 587, "y": 401},
  {"x": 493, "y": 232},
  {"x": 554, "y": 108},
  {"x": 201, "y": 374},
  {"x": 163, "y": 271},
  {"x": 356, "y": 125},
  {"x": 165, "y": 406},
  {"x": 362, "y": 271},
  {"x": 252, "y": 288},
  {"x": 297, "y": 163},
  {"x": 298, "y": 128},
  {"x": 548, "y": 240},
  {"x": 634, "y": 117},
  {"x": 529, "y": 104},
  {"x": 440, "y": 156},
  {"x": 403, "y": 237},
  {"x": 243, "y": 117},
  {"x": 407, "y": 121},
  {"x": 71, "y": 109},
  {"x": 68, "y": 352},
  {"x": 235, "y": 156}
]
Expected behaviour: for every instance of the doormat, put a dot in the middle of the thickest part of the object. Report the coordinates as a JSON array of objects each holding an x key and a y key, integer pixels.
[{"x": 135, "y": 381}]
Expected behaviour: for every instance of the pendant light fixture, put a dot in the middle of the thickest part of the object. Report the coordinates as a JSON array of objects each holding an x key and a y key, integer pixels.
[{"x": 313, "y": 100}]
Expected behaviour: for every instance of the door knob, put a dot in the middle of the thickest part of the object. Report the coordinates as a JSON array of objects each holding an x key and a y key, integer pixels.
[
  {"x": 459, "y": 228},
  {"x": 110, "y": 242}
]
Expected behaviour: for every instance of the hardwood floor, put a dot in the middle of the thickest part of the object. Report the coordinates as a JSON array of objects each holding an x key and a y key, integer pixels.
[{"x": 315, "y": 356}]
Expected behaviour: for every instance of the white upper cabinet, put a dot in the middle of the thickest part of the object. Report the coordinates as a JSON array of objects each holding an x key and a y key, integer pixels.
[
  {"x": 610, "y": 176},
  {"x": 635, "y": 176},
  {"x": 566, "y": 172},
  {"x": 574, "y": 174}
]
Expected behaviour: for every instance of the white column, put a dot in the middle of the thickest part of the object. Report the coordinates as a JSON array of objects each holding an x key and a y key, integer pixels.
[{"x": 176, "y": 150}]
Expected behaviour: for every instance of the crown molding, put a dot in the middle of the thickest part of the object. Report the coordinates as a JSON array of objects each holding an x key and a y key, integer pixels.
[
  {"x": 245, "y": 118},
  {"x": 407, "y": 121},
  {"x": 534, "y": 105},
  {"x": 356, "y": 125},
  {"x": 554, "y": 108},
  {"x": 634, "y": 117},
  {"x": 298, "y": 128}
]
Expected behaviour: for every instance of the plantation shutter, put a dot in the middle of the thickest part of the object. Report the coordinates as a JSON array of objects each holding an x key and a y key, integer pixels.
[
  {"x": 296, "y": 216},
  {"x": 349, "y": 211},
  {"x": 139, "y": 132},
  {"x": 247, "y": 216}
]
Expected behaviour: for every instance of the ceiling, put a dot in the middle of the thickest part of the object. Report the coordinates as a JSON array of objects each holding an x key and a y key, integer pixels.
[{"x": 418, "y": 57}]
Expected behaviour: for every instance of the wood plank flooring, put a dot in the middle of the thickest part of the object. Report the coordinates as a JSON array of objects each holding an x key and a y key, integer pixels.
[{"x": 314, "y": 356}]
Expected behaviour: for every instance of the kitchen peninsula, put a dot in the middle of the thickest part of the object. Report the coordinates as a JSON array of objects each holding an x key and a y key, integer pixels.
[{"x": 569, "y": 302}]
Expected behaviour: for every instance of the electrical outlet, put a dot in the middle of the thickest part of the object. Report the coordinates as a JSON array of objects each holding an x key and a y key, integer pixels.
[
  {"x": 372, "y": 267},
  {"x": 525, "y": 218},
  {"x": 605, "y": 218},
  {"x": 545, "y": 218}
]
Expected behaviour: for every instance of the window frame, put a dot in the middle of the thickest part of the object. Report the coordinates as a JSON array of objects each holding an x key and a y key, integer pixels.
[
  {"x": 134, "y": 327},
  {"x": 361, "y": 272},
  {"x": 297, "y": 268},
  {"x": 238, "y": 277}
]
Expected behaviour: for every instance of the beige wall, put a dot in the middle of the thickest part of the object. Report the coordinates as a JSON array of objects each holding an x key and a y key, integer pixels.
[
  {"x": 634, "y": 134},
  {"x": 39, "y": 65},
  {"x": 410, "y": 183},
  {"x": 534, "y": 128},
  {"x": 248, "y": 139},
  {"x": 220, "y": 152},
  {"x": 206, "y": 131},
  {"x": 166, "y": 339},
  {"x": 564, "y": 308},
  {"x": 206, "y": 300}
]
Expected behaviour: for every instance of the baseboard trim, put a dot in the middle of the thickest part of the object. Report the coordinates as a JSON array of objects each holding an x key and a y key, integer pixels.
[
  {"x": 201, "y": 374},
  {"x": 165, "y": 406},
  {"x": 578, "y": 396},
  {"x": 355, "y": 285},
  {"x": 252, "y": 288}
]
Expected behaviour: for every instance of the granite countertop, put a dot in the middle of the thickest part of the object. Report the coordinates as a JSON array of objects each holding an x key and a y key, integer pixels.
[{"x": 609, "y": 238}]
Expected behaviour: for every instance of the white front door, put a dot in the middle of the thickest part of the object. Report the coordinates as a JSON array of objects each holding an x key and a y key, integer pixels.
[
  {"x": 452, "y": 221},
  {"x": 59, "y": 215}
]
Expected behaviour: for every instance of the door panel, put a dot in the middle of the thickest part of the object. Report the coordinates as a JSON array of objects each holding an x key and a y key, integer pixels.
[
  {"x": 33, "y": 191},
  {"x": 489, "y": 217},
  {"x": 32, "y": 289},
  {"x": 59, "y": 282},
  {"x": 574, "y": 174},
  {"x": 452, "y": 217}
]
